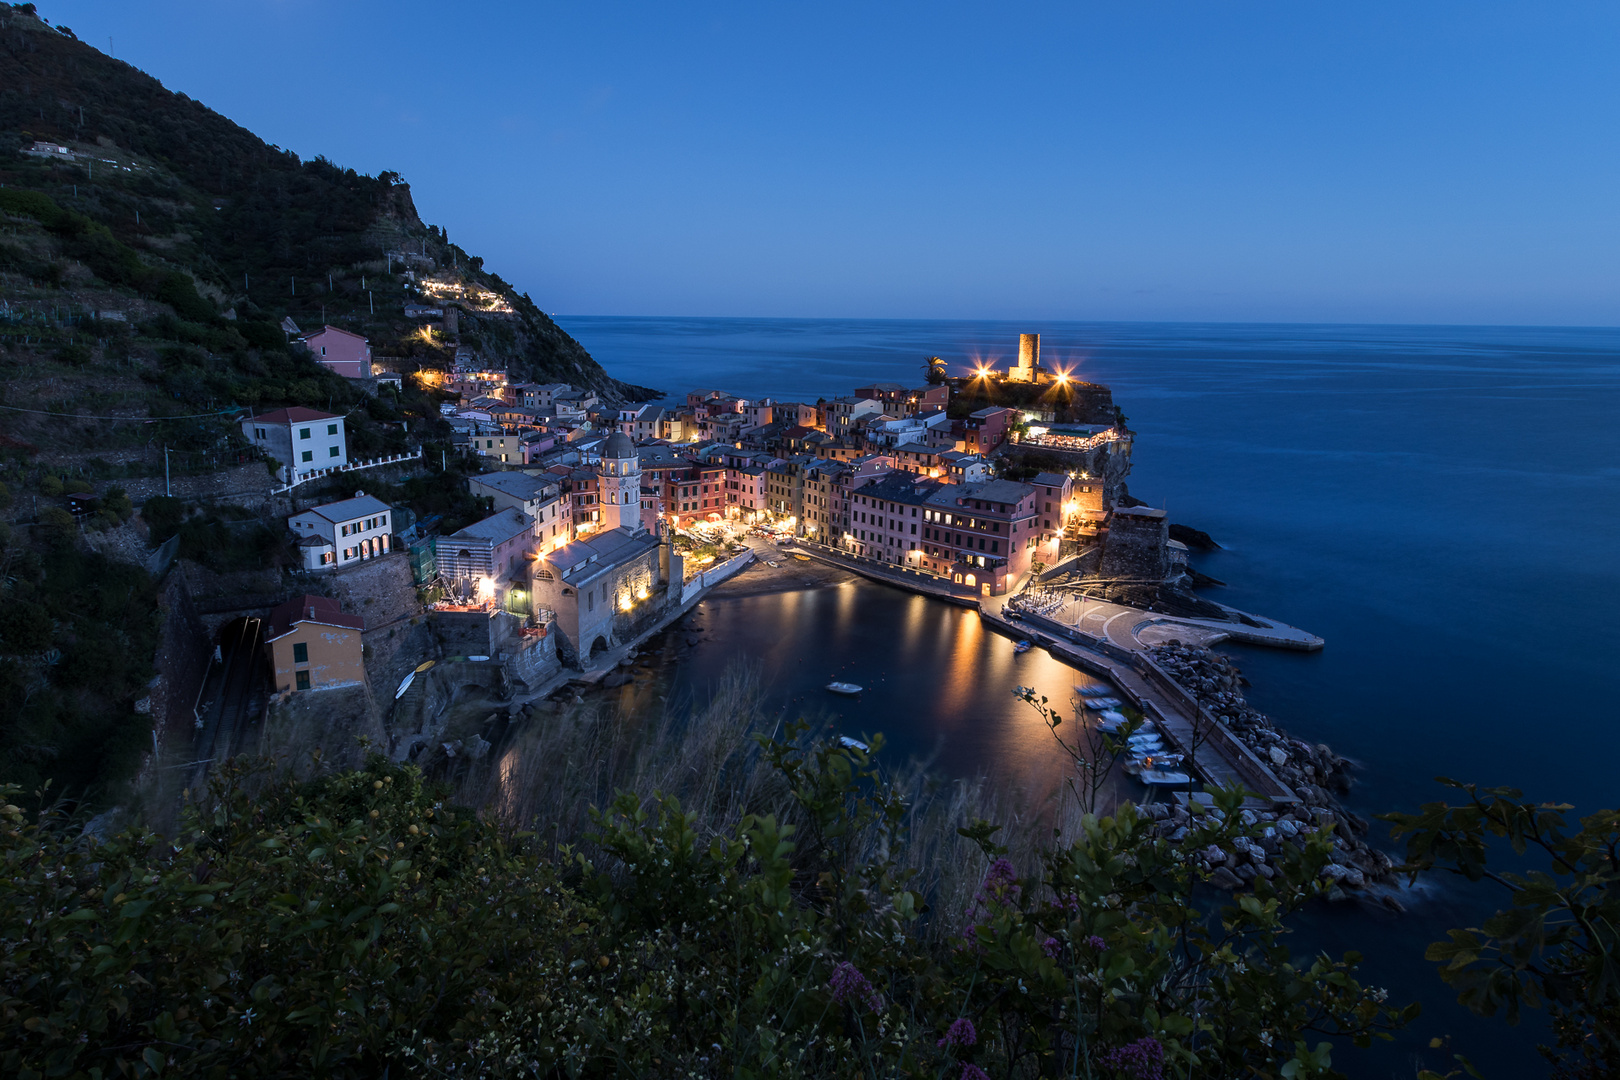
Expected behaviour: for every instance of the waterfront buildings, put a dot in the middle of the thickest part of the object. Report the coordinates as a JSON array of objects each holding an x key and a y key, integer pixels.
[{"x": 601, "y": 589}]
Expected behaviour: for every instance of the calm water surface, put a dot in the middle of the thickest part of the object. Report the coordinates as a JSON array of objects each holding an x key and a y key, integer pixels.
[{"x": 1439, "y": 503}]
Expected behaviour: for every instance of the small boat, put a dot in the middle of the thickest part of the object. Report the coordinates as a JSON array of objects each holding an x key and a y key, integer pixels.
[
  {"x": 772, "y": 564},
  {"x": 844, "y": 688},
  {"x": 852, "y": 744},
  {"x": 1164, "y": 778},
  {"x": 1102, "y": 703},
  {"x": 1094, "y": 690},
  {"x": 1021, "y": 647},
  {"x": 1011, "y": 613},
  {"x": 802, "y": 558}
]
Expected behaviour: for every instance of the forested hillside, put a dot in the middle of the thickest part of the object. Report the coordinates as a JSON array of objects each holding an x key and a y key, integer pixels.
[{"x": 164, "y": 206}]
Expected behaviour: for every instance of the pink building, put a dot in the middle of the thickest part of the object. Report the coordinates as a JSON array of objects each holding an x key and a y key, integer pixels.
[{"x": 347, "y": 354}]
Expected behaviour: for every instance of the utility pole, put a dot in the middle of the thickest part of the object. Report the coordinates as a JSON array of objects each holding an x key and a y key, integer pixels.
[
  {"x": 371, "y": 301},
  {"x": 295, "y": 285},
  {"x": 165, "y": 470}
]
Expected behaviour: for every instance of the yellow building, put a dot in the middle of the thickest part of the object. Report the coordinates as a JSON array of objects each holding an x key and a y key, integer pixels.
[{"x": 313, "y": 645}]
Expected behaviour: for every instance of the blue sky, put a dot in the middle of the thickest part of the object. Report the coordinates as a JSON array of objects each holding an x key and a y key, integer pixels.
[{"x": 1275, "y": 161}]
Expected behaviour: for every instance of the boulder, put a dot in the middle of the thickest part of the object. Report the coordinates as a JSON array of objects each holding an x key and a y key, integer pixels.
[{"x": 1223, "y": 878}]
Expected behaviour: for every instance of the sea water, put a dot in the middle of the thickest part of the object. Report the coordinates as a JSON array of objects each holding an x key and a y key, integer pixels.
[{"x": 1440, "y": 504}]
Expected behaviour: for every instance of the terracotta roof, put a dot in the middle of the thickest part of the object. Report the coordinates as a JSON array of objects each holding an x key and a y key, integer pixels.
[
  {"x": 317, "y": 609},
  {"x": 295, "y": 415}
]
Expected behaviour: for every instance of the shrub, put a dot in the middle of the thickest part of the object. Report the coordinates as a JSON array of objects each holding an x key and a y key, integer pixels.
[{"x": 356, "y": 925}]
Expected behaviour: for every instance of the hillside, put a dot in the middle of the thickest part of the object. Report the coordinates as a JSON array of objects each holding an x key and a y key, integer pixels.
[{"x": 166, "y": 208}]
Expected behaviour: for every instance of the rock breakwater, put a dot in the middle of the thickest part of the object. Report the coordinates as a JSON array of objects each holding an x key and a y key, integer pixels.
[{"x": 1316, "y": 774}]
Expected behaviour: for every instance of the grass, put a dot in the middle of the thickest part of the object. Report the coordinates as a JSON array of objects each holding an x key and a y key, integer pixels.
[{"x": 548, "y": 777}]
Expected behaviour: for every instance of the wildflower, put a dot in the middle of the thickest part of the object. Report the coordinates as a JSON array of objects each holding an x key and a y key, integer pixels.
[
  {"x": 961, "y": 1033},
  {"x": 1140, "y": 1060},
  {"x": 971, "y": 1071},
  {"x": 1051, "y": 947},
  {"x": 1096, "y": 943},
  {"x": 849, "y": 985}
]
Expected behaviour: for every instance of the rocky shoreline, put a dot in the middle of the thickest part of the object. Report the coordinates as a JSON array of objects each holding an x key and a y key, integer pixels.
[{"x": 1316, "y": 774}]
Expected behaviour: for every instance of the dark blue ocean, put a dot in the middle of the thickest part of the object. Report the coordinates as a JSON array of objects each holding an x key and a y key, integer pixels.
[{"x": 1441, "y": 504}]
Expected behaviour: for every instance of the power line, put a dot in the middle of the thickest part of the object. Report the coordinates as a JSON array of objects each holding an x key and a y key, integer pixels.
[{"x": 141, "y": 419}]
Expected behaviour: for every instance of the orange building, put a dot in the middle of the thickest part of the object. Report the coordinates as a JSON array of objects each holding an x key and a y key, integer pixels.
[{"x": 313, "y": 645}]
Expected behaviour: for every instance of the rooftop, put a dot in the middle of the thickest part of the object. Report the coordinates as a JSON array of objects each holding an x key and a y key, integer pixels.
[
  {"x": 295, "y": 415},
  {"x": 516, "y": 484},
  {"x": 317, "y": 609},
  {"x": 348, "y": 509},
  {"x": 496, "y": 529},
  {"x": 600, "y": 552}
]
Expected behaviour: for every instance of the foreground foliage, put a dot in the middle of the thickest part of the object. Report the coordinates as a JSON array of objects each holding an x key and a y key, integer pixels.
[
  {"x": 1557, "y": 945},
  {"x": 356, "y": 923}
]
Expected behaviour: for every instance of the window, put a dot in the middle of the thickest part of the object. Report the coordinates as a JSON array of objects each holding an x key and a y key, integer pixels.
[
  {"x": 303, "y": 433},
  {"x": 331, "y": 429},
  {"x": 382, "y": 521},
  {"x": 300, "y": 653},
  {"x": 302, "y": 678},
  {"x": 309, "y": 455},
  {"x": 332, "y": 452},
  {"x": 258, "y": 433}
]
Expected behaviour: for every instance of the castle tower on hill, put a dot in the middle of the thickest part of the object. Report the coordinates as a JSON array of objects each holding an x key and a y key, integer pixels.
[
  {"x": 619, "y": 483},
  {"x": 1029, "y": 360}
]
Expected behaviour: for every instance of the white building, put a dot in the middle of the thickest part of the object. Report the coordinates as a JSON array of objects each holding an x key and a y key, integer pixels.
[
  {"x": 341, "y": 533},
  {"x": 304, "y": 440}
]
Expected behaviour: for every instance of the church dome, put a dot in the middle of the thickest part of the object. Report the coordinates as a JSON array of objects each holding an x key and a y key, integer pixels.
[{"x": 619, "y": 446}]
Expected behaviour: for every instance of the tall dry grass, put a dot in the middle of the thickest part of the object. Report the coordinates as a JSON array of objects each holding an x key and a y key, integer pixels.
[{"x": 550, "y": 774}]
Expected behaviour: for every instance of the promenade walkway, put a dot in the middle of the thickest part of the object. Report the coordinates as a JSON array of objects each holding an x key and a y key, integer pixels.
[{"x": 1133, "y": 628}]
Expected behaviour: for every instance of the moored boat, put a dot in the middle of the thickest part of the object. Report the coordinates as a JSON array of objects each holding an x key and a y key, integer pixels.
[{"x": 844, "y": 687}]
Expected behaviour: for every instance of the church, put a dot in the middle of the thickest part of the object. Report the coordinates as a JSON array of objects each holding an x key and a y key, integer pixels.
[{"x": 608, "y": 585}]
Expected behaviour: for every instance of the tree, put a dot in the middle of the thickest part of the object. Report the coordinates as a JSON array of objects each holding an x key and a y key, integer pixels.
[
  {"x": 1557, "y": 944},
  {"x": 934, "y": 370}
]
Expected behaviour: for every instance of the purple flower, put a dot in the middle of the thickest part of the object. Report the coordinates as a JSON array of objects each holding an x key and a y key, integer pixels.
[
  {"x": 1052, "y": 947},
  {"x": 971, "y": 1071},
  {"x": 1000, "y": 883},
  {"x": 1096, "y": 943},
  {"x": 1140, "y": 1060},
  {"x": 1000, "y": 886},
  {"x": 961, "y": 1033},
  {"x": 849, "y": 985}
]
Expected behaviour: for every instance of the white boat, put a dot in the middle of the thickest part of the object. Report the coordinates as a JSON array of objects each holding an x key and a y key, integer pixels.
[
  {"x": 1111, "y": 721},
  {"x": 1103, "y": 703},
  {"x": 844, "y": 688},
  {"x": 851, "y": 744},
  {"x": 1094, "y": 690},
  {"x": 1164, "y": 778},
  {"x": 1021, "y": 647}
]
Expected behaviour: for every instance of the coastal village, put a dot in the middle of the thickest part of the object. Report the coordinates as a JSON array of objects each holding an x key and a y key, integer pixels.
[{"x": 1004, "y": 490}]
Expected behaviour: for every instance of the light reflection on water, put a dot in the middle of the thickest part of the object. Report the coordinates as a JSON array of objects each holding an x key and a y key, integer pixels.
[{"x": 938, "y": 684}]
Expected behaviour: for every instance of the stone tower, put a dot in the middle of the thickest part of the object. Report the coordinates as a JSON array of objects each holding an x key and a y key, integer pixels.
[
  {"x": 618, "y": 485},
  {"x": 1029, "y": 359}
]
